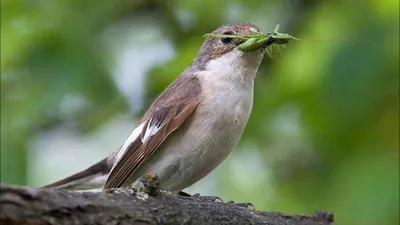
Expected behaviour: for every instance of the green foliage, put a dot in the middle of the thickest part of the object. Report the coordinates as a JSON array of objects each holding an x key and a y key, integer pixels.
[{"x": 324, "y": 132}]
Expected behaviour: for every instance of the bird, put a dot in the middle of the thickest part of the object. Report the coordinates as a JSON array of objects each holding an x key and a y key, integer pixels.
[{"x": 191, "y": 127}]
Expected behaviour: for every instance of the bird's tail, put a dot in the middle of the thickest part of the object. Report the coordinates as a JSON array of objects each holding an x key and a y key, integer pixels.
[{"x": 93, "y": 177}]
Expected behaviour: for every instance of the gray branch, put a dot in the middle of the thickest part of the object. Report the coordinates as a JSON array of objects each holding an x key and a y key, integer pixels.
[{"x": 25, "y": 205}]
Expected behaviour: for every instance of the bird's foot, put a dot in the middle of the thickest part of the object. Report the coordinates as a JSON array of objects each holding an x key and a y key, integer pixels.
[
  {"x": 198, "y": 196},
  {"x": 242, "y": 204},
  {"x": 216, "y": 198},
  {"x": 207, "y": 198}
]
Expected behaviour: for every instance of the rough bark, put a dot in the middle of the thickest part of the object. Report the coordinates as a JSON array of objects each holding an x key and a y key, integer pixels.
[{"x": 25, "y": 205}]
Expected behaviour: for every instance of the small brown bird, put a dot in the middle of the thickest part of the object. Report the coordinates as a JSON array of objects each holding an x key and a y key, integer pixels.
[{"x": 191, "y": 127}]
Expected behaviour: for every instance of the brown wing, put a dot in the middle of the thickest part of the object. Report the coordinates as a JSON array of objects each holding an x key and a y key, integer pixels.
[{"x": 166, "y": 114}]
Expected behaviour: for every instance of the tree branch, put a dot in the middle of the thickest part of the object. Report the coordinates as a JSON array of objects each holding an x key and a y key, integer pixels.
[{"x": 24, "y": 205}]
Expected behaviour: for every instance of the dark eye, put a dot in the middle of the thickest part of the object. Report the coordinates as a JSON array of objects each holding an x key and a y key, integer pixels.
[{"x": 226, "y": 40}]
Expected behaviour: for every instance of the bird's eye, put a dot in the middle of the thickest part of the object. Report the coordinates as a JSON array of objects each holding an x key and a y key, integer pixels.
[{"x": 226, "y": 40}]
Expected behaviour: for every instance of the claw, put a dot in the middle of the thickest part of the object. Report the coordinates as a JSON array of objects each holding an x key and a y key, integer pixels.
[
  {"x": 197, "y": 195},
  {"x": 184, "y": 194},
  {"x": 243, "y": 204},
  {"x": 210, "y": 198},
  {"x": 216, "y": 198}
]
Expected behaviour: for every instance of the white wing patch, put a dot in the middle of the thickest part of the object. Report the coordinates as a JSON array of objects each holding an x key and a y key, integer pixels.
[
  {"x": 150, "y": 131},
  {"x": 134, "y": 135}
]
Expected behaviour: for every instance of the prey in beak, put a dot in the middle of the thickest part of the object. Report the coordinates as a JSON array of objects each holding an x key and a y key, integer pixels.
[{"x": 259, "y": 40}]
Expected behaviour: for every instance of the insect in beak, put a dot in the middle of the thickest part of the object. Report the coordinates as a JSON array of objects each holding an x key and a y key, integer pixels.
[{"x": 260, "y": 41}]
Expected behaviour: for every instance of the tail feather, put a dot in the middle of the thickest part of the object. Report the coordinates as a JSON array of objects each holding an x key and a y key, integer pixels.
[{"x": 90, "y": 178}]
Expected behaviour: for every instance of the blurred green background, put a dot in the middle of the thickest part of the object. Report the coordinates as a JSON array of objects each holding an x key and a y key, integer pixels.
[{"x": 324, "y": 132}]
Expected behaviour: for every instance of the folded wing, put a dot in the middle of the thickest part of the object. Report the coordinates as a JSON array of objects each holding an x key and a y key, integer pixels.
[{"x": 165, "y": 115}]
